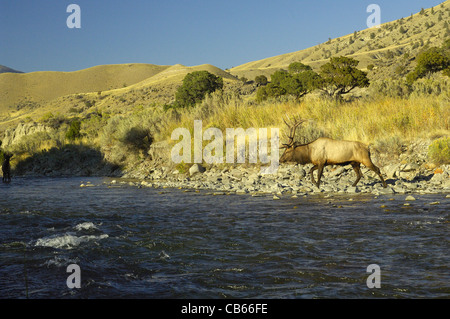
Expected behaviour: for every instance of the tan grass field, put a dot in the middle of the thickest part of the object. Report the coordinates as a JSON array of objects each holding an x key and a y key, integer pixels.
[{"x": 45, "y": 86}]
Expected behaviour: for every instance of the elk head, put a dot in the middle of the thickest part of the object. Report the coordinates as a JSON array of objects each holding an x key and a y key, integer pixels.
[{"x": 289, "y": 152}]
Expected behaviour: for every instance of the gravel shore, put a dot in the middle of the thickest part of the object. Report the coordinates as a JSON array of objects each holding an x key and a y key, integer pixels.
[{"x": 294, "y": 180}]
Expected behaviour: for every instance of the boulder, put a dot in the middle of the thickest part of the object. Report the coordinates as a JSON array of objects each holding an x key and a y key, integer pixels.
[
  {"x": 391, "y": 170},
  {"x": 196, "y": 168}
]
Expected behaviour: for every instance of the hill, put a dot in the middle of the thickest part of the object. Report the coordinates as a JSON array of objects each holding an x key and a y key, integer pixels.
[
  {"x": 5, "y": 69},
  {"x": 17, "y": 90},
  {"x": 380, "y": 46},
  {"x": 115, "y": 88}
]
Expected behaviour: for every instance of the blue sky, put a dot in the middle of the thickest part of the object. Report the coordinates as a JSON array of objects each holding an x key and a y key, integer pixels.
[{"x": 34, "y": 35}]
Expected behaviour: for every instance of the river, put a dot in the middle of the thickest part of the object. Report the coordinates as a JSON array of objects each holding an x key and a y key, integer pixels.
[{"x": 132, "y": 242}]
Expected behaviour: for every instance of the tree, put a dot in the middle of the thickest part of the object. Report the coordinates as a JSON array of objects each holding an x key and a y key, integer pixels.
[
  {"x": 261, "y": 80},
  {"x": 430, "y": 61},
  {"x": 299, "y": 81},
  {"x": 74, "y": 131},
  {"x": 195, "y": 87},
  {"x": 298, "y": 67},
  {"x": 340, "y": 76}
]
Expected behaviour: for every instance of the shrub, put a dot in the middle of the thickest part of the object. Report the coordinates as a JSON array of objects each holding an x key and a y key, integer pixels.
[
  {"x": 137, "y": 139},
  {"x": 46, "y": 117},
  {"x": 126, "y": 140},
  {"x": 261, "y": 80},
  {"x": 390, "y": 145},
  {"x": 299, "y": 81},
  {"x": 74, "y": 131},
  {"x": 194, "y": 88},
  {"x": 244, "y": 79},
  {"x": 31, "y": 144},
  {"x": 439, "y": 151}
]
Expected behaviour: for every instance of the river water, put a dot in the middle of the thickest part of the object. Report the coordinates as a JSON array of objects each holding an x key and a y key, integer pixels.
[{"x": 131, "y": 242}]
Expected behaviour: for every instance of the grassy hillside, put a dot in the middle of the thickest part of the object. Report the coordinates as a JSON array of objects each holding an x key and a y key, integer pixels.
[
  {"x": 381, "y": 46},
  {"x": 40, "y": 87},
  {"x": 111, "y": 88}
]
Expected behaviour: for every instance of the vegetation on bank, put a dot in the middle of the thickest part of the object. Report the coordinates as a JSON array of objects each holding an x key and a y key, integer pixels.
[
  {"x": 386, "y": 113},
  {"x": 387, "y": 122}
]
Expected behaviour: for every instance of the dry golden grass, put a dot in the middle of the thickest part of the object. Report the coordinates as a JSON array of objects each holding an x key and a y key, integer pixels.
[
  {"x": 364, "y": 120},
  {"x": 45, "y": 86}
]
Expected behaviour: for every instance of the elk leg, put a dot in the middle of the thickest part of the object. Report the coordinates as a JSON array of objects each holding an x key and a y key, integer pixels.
[
  {"x": 357, "y": 169},
  {"x": 312, "y": 174},
  {"x": 378, "y": 172},
  {"x": 319, "y": 174}
]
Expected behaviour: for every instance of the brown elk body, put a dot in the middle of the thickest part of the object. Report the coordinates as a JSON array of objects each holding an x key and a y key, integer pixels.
[{"x": 326, "y": 151}]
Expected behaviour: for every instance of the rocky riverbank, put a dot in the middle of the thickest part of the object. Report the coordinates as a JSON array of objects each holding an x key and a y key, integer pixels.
[
  {"x": 294, "y": 180},
  {"x": 410, "y": 172},
  {"x": 407, "y": 173}
]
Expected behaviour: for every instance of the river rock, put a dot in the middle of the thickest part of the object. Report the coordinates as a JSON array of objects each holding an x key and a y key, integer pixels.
[
  {"x": 391, "y": 170},
  {"x": 410, "y": 198},
  {"x": 352, "y": 189},
  {"x": 385, "y": 191},
  {"x": 196, "y": 168},
  {"x": 338, "y": 171}
]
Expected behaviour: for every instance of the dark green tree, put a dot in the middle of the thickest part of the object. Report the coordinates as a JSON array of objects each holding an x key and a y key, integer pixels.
[
  {"x": 261, "y": 80},
  {"x": 340, "y": 76},
  {"x": 299, "y": 81},
  {"x": 298, "y": 67},
  {"x": 430, "y": 61},
  {"x": 74, "y": 130},
  {"x": 195, "y": 87}
]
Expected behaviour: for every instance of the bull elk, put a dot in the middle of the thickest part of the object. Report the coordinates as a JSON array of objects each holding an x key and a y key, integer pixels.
[{"x": 326, "y": 151}]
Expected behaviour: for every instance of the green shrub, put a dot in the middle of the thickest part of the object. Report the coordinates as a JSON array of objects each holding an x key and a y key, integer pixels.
[
  {"x": 439, "y": 151},
  {"x": 195, "y": 87},
  {"x": 261, "y": 80},
  {"x": 137, "y": 139},
  {"x": 299, "y": 81},
  {"x": 74, "y": 131}
]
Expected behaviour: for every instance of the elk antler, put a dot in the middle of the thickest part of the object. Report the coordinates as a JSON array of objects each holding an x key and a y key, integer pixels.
[{"x": 292, "y": 129}]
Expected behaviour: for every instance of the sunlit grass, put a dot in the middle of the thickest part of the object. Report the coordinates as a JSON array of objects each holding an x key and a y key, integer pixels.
[{"x": 364, "y": 120}]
